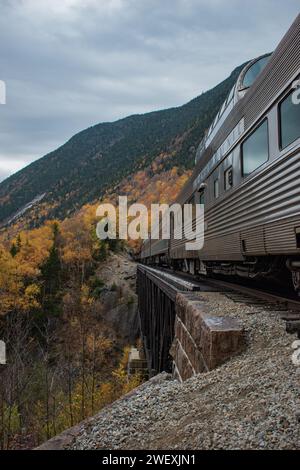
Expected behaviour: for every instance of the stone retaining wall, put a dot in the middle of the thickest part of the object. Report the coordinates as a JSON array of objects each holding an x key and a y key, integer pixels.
[{"x": 202, "y": 341}]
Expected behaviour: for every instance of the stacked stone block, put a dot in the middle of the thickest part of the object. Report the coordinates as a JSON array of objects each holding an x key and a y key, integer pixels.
[{"x": 202, "y": 341}]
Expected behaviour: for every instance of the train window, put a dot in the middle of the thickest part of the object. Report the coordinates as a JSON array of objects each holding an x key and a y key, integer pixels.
[
  {"x": 222, "y": 109},
  {"x": 228, "y": 179},
  {"x": 216, "y": 188},
  {"x": 230, "y": 96},
  {"x": 228, "y": 161},
  {"x": 255, "y": 150},
  {"x": 253, "y": 72},
  {"x": 289, "y": 121},
  {"x": 201, "y": 200}
]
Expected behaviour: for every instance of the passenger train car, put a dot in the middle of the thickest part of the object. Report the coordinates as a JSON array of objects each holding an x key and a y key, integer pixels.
[{"x": 247, "y": 175}]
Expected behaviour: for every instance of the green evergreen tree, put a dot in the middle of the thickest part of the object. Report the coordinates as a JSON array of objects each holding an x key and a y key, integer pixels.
[
  {"x": 13, "y": 250},
  {"x": 16, "y": 247},
  {"x": 19, "y": 243},
  {"x": 51, "y": 272}
]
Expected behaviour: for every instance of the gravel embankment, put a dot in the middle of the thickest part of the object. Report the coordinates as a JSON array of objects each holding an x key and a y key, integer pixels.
[{"x": 251, "y": 402}]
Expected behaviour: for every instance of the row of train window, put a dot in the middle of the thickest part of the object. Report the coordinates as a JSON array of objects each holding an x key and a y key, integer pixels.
[{"x": 255, "y": 149}]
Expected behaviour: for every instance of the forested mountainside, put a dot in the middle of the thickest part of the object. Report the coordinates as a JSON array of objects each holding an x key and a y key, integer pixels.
[
  {"x": 67, "y": 301},
  {"x": 95, "y": 160}
]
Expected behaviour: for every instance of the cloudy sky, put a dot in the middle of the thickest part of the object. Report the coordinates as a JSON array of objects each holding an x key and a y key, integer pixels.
[{"x": 69, "y": 64}]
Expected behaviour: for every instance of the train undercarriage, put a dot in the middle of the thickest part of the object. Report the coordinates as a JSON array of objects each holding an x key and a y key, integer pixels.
[{"x": 276, "y": 269}]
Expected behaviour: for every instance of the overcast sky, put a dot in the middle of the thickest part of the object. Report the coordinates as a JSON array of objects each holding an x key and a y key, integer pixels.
[{"x": 69, "y": 64}]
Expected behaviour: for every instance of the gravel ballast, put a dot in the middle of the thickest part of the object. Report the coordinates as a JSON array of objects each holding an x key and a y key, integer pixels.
[{"x": 251, "y": 402}]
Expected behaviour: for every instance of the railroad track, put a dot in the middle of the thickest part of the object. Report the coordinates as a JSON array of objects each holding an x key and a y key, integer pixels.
[
  {"x": 278, "y": 300},
  {"x": 287, "y": 306}
]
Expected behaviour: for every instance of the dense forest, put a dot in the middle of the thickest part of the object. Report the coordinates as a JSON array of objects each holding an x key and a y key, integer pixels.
[{"x": 64, "y": 361}]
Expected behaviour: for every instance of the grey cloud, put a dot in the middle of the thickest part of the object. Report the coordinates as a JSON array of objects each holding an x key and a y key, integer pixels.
[{"x": 69, "y": 64}]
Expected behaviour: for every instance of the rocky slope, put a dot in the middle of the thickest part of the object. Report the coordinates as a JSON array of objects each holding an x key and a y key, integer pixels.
[
  {"x": 118, "y": 299},
  {"x": 251, "y": 402}
]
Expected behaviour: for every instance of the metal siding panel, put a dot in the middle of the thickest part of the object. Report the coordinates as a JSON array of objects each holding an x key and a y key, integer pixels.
[
  {"x": 280, "y": 237},
  {"x": 264, "y": 200},
  {"x": 254, "y": 241}
]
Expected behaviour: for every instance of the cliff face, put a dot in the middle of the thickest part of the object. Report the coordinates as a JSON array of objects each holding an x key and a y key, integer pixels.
[{"x": 119, "y": 300}]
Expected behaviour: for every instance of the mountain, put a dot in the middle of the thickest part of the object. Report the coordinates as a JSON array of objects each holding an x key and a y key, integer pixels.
[{"x": 96, "y": 159}]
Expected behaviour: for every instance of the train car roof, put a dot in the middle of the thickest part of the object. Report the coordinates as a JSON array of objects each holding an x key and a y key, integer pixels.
[
  {"x": 245, "y": 80},
  {"x": 265, "y": 86}
]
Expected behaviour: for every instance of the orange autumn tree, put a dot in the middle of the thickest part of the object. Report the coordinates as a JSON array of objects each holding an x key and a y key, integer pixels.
[
  {"x": 20, "y": 269},
  {"x": 34, "y": 249},
  {"x": 15, "y": 295},
  {"x": 78, "y": 241}
]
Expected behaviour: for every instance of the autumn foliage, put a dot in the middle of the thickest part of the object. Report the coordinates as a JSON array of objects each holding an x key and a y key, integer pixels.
[{"x": 64, "y": 361}]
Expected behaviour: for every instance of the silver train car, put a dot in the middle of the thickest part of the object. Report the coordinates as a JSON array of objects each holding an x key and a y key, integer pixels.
[{"x": 247, "y": 175}]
